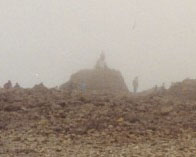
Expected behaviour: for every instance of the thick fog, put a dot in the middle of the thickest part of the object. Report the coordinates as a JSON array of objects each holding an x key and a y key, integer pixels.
[{"x": 48, "y": 40}]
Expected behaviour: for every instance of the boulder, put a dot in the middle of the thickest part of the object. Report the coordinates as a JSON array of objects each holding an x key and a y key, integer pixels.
[{"x": 97, "y": 80}]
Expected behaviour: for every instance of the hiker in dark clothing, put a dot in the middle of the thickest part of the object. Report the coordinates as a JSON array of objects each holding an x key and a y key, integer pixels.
[
  {"x": 101, "y": 62},
  {"x": 8, "y": 85},
  {"x": 135, "y": 85},
  {"x": 17, "y": 85}
]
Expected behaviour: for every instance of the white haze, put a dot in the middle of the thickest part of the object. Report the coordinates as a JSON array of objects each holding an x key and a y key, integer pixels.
[{"x": 47, "y": 40}]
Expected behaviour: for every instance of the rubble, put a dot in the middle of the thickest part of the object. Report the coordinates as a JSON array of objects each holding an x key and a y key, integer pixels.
[
  {"x": 49, "y": 122},
  {"x": 98, "y": 80}
]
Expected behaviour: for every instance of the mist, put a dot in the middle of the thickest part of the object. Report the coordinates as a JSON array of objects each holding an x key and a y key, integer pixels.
[{"x": 46, "y": 41}]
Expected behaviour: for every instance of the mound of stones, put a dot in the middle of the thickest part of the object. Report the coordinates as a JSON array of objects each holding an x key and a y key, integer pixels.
[
  {"x": 97, "y": 80},
  {"x": 101, "y": 78}
]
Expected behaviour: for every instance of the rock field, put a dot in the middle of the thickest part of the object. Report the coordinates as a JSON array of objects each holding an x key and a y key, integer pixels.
[{"x": 51, "y": 123}]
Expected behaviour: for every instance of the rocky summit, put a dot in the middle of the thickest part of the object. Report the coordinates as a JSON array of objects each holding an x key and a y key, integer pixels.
[{"x": 99, "y": 79}]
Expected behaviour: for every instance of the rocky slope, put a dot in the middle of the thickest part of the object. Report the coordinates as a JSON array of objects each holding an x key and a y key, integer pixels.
[{"x": 49, "y": 122}]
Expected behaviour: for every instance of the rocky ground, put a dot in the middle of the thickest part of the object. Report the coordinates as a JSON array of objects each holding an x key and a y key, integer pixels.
[{"x": 47, "y": 122}]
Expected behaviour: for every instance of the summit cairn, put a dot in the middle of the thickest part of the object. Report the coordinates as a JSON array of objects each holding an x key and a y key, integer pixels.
[{"x": 101, "y": 78}]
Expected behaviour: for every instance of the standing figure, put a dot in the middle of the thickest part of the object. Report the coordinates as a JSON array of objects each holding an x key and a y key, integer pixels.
[
  {"x": 101, "y": 62},
  {"x": 17, "y": 85},
  {"x": 8, "y": 85},
  {"x": 135, "y": 84}
]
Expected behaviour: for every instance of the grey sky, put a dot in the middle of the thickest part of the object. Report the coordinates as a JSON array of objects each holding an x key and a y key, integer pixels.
[{"x": 47, "y": 40}]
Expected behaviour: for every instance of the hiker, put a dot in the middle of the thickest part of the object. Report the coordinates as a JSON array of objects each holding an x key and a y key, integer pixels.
[
  {"x": 101, "y": 62},
  {"x": 17, "y": 85},
  {"x": 135, "y": 85},
  {"x": 8, "y": 85}
]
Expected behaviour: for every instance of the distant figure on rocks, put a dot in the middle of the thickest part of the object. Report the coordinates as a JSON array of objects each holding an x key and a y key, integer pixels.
[
  {"x": 135, "y": 84},
  {"x": 17, "y": 85},
  {"x": 8, "y": 85},
  {"x": 101, "y": 62}
]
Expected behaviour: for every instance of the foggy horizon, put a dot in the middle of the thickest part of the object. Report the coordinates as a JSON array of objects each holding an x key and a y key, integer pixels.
[{"x": 47, "y": 41}]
